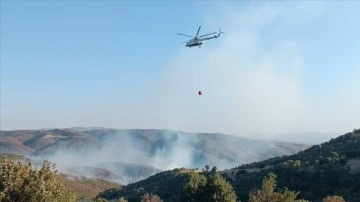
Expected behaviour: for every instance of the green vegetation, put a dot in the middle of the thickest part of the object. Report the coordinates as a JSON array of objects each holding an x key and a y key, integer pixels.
[
  {"x": 329, "y": 172},
  {"x": 334, "y": 199},
  {"x": 122, "y": 199},
  {"x": 20, "y": 182},
  {"x": 267, "y": 192},
  {"x": 100, "y": 200},
  {"x": 207, "y": 188},
  {"x": 167, "y": 185},
  {"x": 150, "y": 198},
  {"x": 85, "y": 188},
  {"x": 319, "y": 173}
]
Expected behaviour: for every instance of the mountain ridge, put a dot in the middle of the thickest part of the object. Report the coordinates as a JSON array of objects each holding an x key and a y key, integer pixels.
[{"x": 151, "y": 150}]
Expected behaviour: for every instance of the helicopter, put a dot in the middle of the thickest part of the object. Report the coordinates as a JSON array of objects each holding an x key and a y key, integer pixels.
[{"x": 197, "y": 40}]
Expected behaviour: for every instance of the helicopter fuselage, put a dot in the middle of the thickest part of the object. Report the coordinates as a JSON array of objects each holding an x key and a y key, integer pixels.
[{"x": 194, "y": 42}]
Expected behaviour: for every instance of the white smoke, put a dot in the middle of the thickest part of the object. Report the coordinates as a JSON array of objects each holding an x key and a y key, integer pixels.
[
  {"x": 130, "y": 155},
  {"x": 251, "y": 85},
  {"x": 120, "y": 153}
]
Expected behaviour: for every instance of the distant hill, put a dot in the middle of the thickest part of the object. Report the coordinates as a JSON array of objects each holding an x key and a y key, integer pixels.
[
  {"x": 130, "y": 155},
  {"x": 45, "y": 142},
  {"x": 331, "y": 168},
  {"x": 306, "y": 138}
]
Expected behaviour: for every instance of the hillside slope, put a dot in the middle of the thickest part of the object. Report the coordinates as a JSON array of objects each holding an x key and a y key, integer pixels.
[
  {"x": 130, "y": 155},
  {"x": 86, "y": 188},
  {"x": 331, "y": 168}
]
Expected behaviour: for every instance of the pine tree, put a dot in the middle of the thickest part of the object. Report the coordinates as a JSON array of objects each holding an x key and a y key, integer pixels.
[
  {"x": 267, "y": 192},
  {"x": 218, "y": 189},
  {"x": 194, "y": 188}
]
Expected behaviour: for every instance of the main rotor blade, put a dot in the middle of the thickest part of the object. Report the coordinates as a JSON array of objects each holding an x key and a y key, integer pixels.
[
  {"x": 208, "y": 34},
  {"x": 185, "y": 35},
  {"x": 198, "y": 31}
]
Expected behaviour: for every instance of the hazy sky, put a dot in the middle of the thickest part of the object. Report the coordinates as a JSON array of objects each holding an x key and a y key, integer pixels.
[{"x": 280, "y": 67}]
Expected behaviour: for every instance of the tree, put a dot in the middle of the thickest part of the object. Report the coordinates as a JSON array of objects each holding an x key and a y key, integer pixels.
[
  {"x": 20, "y": 182},
  {"x": 218, "y": 189},
  {"x": 214, "y": 169},
  {"x": 334, "y": 199},
  {"x": 194, "y": 188},
  {"x": 267, "y": 192},
  {"x": 151, "y": 198},
  {"x": 100, "y": 200},
  {"x": 198, "y": 188},
  {"x": 207, "y": 167},
  {"x": 122, "y": 199}
]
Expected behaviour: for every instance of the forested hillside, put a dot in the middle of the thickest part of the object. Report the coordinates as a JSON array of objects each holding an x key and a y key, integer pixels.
[{"x": 331, "y": 168}]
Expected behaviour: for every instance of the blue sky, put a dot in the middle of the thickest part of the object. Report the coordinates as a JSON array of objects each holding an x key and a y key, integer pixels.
[{"x": 280, "y": 67}]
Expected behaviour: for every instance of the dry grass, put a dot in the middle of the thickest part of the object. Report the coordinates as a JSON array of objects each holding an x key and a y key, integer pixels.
[{"x": 86, "y": 187}]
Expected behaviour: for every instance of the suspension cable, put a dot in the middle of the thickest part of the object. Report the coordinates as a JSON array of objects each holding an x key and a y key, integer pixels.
[{"x": 198, "y": 70}]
